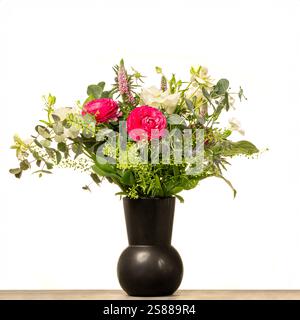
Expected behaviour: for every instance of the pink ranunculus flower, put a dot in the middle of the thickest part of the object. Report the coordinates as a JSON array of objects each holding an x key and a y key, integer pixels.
[
  {"x": 146, "y": 122},
  {"x": 103, "y": 109}
]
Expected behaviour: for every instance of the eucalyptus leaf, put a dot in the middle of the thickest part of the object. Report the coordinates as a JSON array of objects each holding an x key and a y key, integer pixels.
[
  {"x": 58, "y": 156},
  {"x": 55, "y": 117},
  {"x": 49, "y": 165},
  {"x": 43, "y": 131},
  {"x": 18, "y": 175},
  {"x": 222, "y": 86},
  {"x": 24, "y": 165},
  {"x": 15, "y": 170},
  {"x": 61, "y": 146},
  {"x": 37, "y": 143},
  {"x": 176, "y": 119},
  {"x": 95, "y": 90},
  {"x": 45, "y": 143},
  {"x": 189, "y": 104}
]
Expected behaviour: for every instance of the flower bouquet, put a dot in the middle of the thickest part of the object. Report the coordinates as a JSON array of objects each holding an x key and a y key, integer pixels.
[{"x": 151, "y": 142}]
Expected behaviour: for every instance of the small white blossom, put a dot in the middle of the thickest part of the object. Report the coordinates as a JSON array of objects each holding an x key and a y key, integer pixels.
[
  {"x": 199, "y": 74},
  {"x": 235, "y": 125}
]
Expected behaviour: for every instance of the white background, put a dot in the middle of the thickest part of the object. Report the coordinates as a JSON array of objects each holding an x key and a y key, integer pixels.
[{"x": 53, "y": 235}]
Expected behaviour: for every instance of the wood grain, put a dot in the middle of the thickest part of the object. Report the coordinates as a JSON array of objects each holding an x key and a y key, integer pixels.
[{"x": 179, "y": 295}]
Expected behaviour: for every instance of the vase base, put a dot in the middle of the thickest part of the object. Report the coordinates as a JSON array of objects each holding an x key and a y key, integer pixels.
[{"x": 150, "y": 270}]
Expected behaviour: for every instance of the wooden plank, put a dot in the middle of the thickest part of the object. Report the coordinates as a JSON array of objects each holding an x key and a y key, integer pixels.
[{"x": 179, "y": 295}]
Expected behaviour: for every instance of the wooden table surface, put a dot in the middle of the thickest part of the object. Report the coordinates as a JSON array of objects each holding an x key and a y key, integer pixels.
[{"x": 179, "y": 295}]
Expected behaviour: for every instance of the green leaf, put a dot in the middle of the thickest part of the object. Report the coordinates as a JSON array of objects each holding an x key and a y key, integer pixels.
[
  {"x": 191, "y": 107},
  {"x": 189, "y": 104},
  {"x": 128, "y": 178},
  {"x": 188, "y": 182},
  {"x": 226, "y": 133},
  {"x": 95, "y": 178},
  {"x": 181, "y": 200},
  {"x": 55, "y": 117},
  {"x": 87, "y": 188},
  {"x": 49, "y": 165},
  {"x": 229, "y": 184},
  {"x": 95, "y": 90},
  {"x": 36, "y": 155},
  {"x": 158, "y": 186},
  {"x": 18, "y": 175},
  {"x": 205, "y": 93},
  {"x": 121, "y": 193},
  {"x": 158, "y": 70},
  {"x": 45, "y": 143},
  {"x": 106, "y": 170},
  {"x": 42, "y": 171},
  {"x": 61, "y": 146},
  {"x": 240, "y": 147},
  {"x": 106, "y": 94},
  {"x": 222, "y": 86},
  {"x": 226, "y": 101},
  {"x": 176, "y": 119},
  {"x": 58, "y": 156},
  {"x": 37, "y": 143},
  {"x": 101, "y": 85},
  {"x": 24, "y": 165},
  {"x": 43, "y": 131},
  {"x": 15, "y": 170},
  {"x": 77, "y": 149},
  {"x": 51, "y": 100}
]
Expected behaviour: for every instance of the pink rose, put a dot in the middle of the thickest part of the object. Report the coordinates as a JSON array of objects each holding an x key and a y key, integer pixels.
[
  {"x": 103, "y": 109},
  {"x": 146, "y": 123}
]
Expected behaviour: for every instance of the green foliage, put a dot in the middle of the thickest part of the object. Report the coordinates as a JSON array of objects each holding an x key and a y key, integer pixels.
[
  {"x": 95, "y": 90},
  {"x": 242, "y": 147}
]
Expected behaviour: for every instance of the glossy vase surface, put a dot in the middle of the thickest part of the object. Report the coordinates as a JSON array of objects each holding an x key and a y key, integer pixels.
[{"x": 149, "y": 266}]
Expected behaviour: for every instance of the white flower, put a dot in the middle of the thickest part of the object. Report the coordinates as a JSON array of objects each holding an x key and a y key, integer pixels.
[
  {"x": 156, "y": 98},
  {"x": 235, "y": 125},
  {"x": 199, "y": 74},
  {"x": 62, "y": 113}
]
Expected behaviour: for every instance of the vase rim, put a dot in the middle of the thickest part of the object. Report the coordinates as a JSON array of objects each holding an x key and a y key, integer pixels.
[{"x": 150, "y": 198}]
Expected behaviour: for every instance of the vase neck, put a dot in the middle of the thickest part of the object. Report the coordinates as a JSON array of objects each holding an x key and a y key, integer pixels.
[{"x": 149, "y": 221}]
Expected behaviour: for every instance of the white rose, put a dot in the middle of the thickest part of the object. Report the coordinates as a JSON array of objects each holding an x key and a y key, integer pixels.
[{"x": 156, "y": 98}]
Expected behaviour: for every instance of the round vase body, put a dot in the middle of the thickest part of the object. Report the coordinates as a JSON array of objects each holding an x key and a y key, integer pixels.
[{"x": 149, "y": 266}]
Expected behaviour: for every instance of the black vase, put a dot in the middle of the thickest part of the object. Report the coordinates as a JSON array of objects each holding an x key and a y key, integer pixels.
[{"x": 149, "y": 266}]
